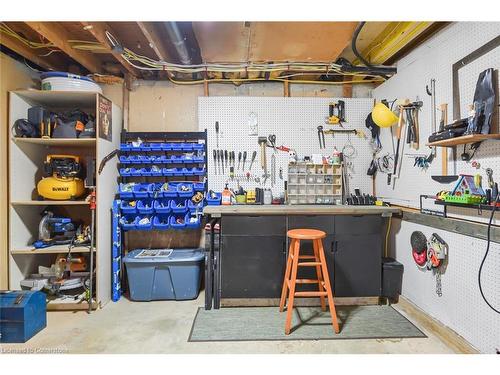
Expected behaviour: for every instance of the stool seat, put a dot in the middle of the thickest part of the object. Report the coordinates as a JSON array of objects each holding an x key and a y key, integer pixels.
[{"x": 306, "y": 234}]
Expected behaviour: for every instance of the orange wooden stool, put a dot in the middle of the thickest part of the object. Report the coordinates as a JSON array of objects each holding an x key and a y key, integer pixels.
[{"x": 317, "y": 260}]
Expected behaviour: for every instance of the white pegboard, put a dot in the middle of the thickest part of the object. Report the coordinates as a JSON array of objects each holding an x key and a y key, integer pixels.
[
  {"x": 460, "y": 307},
  {"x": 294, "y": 121},
  {"x": 434, "y": 59}
]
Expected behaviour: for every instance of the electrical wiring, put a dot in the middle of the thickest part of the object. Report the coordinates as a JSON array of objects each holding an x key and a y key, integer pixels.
[
  {"x": 233, "y": 80},
  {"x": 488, "y": 239},
  {"x": 35, "y": 45}
]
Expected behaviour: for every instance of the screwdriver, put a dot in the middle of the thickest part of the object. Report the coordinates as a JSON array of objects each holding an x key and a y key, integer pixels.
[
  {"x": 215, "y": 162},
  {"x": 225, "y": 157},
  {"x": 217, "y": 132},
  {"x": 244, "y": 160},
  {"x": 254, "y": 154},
  {"x": 222, "y": 160},
  {"x": 239, "y": 159},
  {"x": 233, "y": 158}
]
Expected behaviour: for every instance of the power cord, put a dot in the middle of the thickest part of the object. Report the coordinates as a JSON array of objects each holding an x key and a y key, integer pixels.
[{"x": 486, "y": 254}]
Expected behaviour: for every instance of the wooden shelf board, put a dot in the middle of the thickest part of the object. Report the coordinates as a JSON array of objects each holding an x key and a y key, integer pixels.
[
  {"x": 69, "y": 306},
  {"x": 80, "y": 99},
  {"x": 30, "y": 250},
  {"x": 463, "y": 140},
  {"x": 74, "y": 142},
  {"x": 50, "y": 203}
]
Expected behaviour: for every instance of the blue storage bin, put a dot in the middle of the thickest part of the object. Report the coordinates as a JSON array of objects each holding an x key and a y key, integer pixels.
[
  {"x": 128, "y": 222},
  {"x": 145, "y": 147},
  {"x": 125, "y": 172},
  {"x": 136, "y": 172},
  {"x": 176, "y": 159},
  {"x": 164, "y": 274},
  {"x": 176, "y": 146},
  {"x": 199, "y": 186},
  {"x": 199, "y": 171},
  {"x": 23, "y": 314},
  {"x": 154, "y": 190},
  {"x": 162, "y": 206},
  {"x": 155, "y": 146},
  {"x": 187, "y": 158},
  {"x": 133, "y": 159},
  {"x": 144, "y": 226},
  {"x": 187, "y": 146},
  {"x": 173, "y": 221},
  {"x": 199, "y": 159},
  {"x": 124, "y": 146},
  {"x": 126, "y": 208},
  {"x": 187, "y": 191},
  {"x": 143, "y": 159},
  {"x": 195, "y": 224},
  {"x": 145, "y": 172},
  {"x": 142, "y": 190},
  {"x": 134, "y": 148},
  {"x": 115, "y": 266},
  {"x": 154, "y": 158},
  {"x": 124, "y": 193},
  {"x": 214, "y": 201},
  {"x": 171, "y": 192},
  {"x": 145, "y": 206},
  {"x": 198, "y": 146},
  {"x": 124, "y": 159},
  {"x": 178, "y": 206},
  {"x": 166, "y": 146},
  {"x": 168, "y": 171},
  {"x": 156, "y": 171},
  {"x": 161, "y": 222},
  {"x": 187, "y": 171},
  {"x": 193, "y": 207}
]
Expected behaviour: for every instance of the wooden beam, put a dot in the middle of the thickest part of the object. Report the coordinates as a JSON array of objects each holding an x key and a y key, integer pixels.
[
  {"x": 59, "y": 37},
  {"x": 154, "y": 39},
  {"x": 286, "y": 89},
  {"x": 98, "y": 31},
  {"x": 347, "y": 87},
  {"x": 27, "y": 53}
]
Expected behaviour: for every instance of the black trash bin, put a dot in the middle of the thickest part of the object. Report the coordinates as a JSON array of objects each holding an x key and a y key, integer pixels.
[{"x": 392, "y": 279}]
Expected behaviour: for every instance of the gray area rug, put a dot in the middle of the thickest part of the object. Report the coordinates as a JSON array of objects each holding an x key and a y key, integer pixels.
[{"x": 308, "y": 323}]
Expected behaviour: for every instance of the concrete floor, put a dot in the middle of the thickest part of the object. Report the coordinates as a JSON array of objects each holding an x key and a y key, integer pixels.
[{"x": 164, "y": 326}]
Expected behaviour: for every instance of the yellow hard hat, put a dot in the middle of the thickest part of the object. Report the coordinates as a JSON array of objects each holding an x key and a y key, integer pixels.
[{"x": 383, "y": 116}]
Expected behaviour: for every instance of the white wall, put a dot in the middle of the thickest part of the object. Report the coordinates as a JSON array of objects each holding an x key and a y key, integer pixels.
[{"x": 461, "y": 306}]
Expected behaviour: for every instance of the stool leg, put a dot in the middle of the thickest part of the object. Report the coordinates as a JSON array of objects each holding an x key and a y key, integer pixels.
[
  {"x": 319, "y": 274},
  {"x": 328, "y": 287},
  {"x": 284, "y": 290},
  {"x": 289, "y": 312}
]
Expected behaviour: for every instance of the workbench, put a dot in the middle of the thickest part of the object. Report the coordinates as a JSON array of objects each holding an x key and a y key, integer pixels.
[{"x": 246, "y": 257}]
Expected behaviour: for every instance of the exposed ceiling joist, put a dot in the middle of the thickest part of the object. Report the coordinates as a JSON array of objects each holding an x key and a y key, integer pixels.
[
  {"x": 98, "y": 31},
  {"x": 394, "y": 37},
  {"x": 28, "y": 53},
  {"x": 56, "y": 34},
  {"x": 152, "y": 35}
]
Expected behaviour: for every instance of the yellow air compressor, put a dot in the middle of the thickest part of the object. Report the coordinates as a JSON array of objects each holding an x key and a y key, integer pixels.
[{"x": 62, "y": 178}]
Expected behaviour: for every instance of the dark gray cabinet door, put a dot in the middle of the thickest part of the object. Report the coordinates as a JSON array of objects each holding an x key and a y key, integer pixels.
[
  {"x": 356, "y": 262},
  {"x": 252, "y": 267}
]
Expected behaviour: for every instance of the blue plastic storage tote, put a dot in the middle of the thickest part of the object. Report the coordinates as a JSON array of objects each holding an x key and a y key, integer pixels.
[
  {"x": 164, "y": 274},
  {"x": 22, "y": 315}
]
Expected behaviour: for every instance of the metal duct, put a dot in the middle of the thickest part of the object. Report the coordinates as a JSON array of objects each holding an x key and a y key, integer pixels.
[{"x": 183, "y": 41}]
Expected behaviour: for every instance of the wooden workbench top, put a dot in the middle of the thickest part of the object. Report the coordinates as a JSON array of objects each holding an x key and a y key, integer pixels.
[{"x": 299, "y": 210}]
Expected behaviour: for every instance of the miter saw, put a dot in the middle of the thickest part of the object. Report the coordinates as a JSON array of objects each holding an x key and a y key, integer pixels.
[{"x": 54, "y": 230}]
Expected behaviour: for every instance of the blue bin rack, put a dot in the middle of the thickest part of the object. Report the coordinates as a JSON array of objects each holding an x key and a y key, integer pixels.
[{"x": 177, "y": 158}]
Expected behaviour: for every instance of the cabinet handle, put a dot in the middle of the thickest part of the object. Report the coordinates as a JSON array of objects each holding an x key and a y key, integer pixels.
[
  {"x": 334, "y": 248},
  {"x": 284, "y": 247}
]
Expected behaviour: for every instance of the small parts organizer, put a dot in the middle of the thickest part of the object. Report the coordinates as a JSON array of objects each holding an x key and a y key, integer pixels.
[
  {"x": 163, "y": 180},
  {"x": 314, "y": 183},
  {"x": 162, "y": 186}
]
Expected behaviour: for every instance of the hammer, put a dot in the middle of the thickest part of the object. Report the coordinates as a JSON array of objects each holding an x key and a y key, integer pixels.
[{"x": 263, "y": 143}]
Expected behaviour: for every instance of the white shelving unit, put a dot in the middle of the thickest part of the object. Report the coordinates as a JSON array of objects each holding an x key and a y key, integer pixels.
[
  {"x": 26, "y": 157},
  {"x": 310, "y": 183}
]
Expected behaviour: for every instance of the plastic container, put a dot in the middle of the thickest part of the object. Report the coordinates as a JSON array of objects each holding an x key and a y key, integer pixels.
[
  {"x": 161, "y": 222},
  {"x": 155, "y": 146},
  {"x": 187, "y": 147},
  {"x": 124, "y": 146},
  {"x": 173, "y": 221},
  {"x": 154, "y": 190},
  {"x": 171, "y": 192},
  {"x": 128, "y": 222},
  {"x": 145, "y": 172},
  {"x": 392, "y": 278},
  {"x": 189, "y": 223},
  {"x": 142, "y": 190},
  {"x": 125, "y": 193},
  {"x": 168, "y": 171},
  {"x": 125, "y": 172},
  {"x": 124, "y": 159},
  {"x": 145, "y": 206},
  {"x": 214, "y": 201},
  {"x": 162, "y": 274},
  {"x": 178, "y": 206},
  {"x": 162, "y": 206},
  {"x": 193, "y": 207},
  {"x": 144, "y": 226},
  {"x": 126, "y": 208},
  {"x": 199, "y": 186},
  {"x": 177, "y": 146},
  {"x": 185, "y": 189},
  {"x": 156, "y": 172},
  {"x": 198, "y": 171},
  {"x": 198, "y": 146}
]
